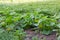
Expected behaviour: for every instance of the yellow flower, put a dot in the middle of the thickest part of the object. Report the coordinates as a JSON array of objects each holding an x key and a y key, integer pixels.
[{"x": 8, "y": 29}]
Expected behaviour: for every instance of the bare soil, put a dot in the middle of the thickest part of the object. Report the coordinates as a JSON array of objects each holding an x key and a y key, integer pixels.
[{"x": 31, "y": 34}]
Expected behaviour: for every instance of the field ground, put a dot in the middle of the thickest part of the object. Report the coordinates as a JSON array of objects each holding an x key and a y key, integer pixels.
[
  {"x": 11, "y": 18},
  {"x": 31, "y": 34}
]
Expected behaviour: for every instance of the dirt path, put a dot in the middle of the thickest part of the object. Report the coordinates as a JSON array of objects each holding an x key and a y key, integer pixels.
[{"x": 31, "y": 34}]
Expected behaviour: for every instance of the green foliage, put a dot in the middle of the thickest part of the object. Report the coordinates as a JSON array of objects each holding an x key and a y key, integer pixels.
[
  {"x": 8, "y": 36},
  {"x": 12, "y": 35},
  {"x": 58, "y": 38},
  {"x": 43, "y": 16},
  {"x": 37, "y": 38}
]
